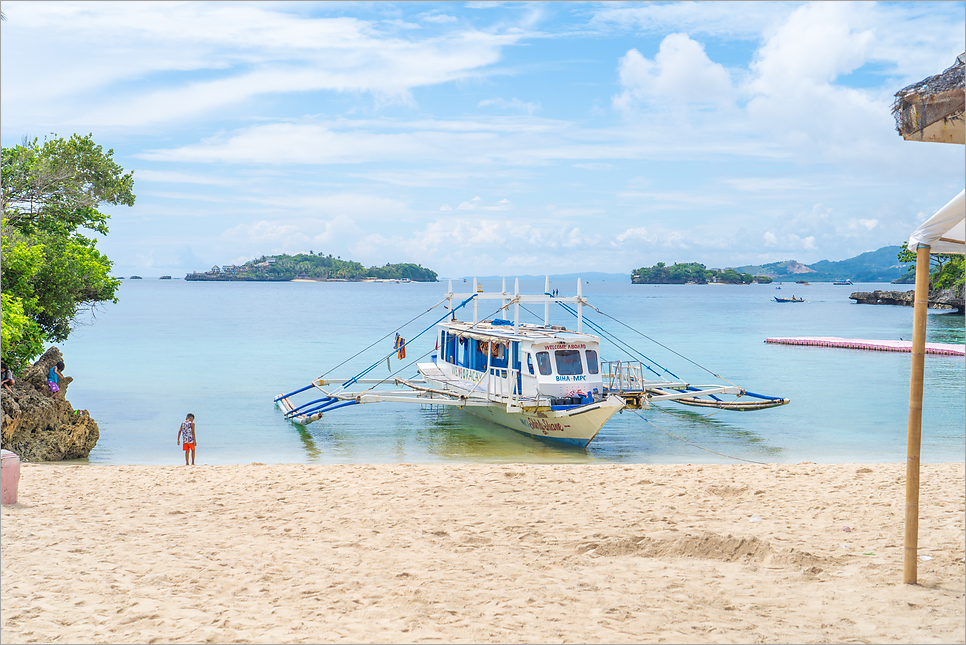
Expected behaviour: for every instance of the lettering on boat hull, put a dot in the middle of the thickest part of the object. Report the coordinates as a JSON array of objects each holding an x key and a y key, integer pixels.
[{"x": 544, "y": 426}]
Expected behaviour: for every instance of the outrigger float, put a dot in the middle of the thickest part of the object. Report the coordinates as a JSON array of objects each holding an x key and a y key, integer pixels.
[{"x": 539, "y": 379}]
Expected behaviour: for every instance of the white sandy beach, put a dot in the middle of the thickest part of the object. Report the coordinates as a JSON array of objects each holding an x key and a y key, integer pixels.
[{"x": 479, "y": 553}]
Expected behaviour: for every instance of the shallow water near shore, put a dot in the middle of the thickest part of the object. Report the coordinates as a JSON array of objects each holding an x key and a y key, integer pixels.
[{"x": 223, "y": 351}]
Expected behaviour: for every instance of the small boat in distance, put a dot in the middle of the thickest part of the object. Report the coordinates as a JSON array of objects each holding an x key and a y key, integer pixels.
[
  {"x": 801, "y": 282},
  {"x": 542, "y": 380},
  {"x": 792, "y": 299},
  {"x": 842, "y": 282}
]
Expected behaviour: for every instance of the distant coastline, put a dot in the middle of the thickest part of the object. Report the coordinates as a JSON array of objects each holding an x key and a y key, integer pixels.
[{"x": 882, "y": 265}]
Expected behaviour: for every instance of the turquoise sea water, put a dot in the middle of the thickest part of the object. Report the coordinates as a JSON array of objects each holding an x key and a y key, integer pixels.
[{"x": 223, "y": 351}]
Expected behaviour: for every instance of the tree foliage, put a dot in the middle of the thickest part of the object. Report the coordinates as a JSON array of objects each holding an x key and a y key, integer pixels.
[
  {"x": 312, "y": 265},
  {"x": 946, "y": 270},
  {"x": 660, "y": 273},
  {"x": 51, "y": 270}
]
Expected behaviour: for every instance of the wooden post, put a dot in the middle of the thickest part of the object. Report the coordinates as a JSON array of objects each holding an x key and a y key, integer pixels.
[{"x": 914, "y": 437}]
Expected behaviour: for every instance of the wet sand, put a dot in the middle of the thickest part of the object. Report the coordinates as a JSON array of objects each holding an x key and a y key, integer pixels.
[{"x": 479, "y": 553}]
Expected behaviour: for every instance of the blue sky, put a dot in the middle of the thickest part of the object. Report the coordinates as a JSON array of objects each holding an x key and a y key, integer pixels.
[{"x": 492, "y": 138}]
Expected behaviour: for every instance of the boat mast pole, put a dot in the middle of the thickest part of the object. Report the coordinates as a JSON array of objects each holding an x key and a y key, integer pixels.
[
  {"x": 546, "y": 304},
  {"x": 914, "y": 431},
  {"x": 475, "y": 315},
  {"x": 449, "y": 296},
  {"x": 503, "y": 302},
  {"x": 516, "y": 306},
  {"x": 580, "y": 310}
]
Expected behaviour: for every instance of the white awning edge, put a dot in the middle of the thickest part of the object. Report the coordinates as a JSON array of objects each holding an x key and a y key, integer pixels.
[{"x": 944, "y": 232}]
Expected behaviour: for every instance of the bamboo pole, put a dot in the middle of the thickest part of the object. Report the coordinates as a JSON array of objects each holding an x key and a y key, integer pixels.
[{"x": 914, "y": 435}]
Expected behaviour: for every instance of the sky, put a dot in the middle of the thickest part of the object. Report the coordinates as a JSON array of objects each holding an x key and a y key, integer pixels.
[{"x": 491, "y": 138}]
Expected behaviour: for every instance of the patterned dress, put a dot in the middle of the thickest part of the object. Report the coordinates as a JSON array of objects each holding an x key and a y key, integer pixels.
[{"x": 187, "y": 433}]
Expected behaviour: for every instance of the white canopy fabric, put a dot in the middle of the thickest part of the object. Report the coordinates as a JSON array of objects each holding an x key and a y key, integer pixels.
[{"x": 944, "y": 232}]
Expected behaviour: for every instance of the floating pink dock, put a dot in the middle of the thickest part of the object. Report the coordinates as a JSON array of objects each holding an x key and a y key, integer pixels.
[{"x": 875, "y": 345}]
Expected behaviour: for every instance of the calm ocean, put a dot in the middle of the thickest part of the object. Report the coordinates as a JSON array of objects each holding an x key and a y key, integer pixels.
[{"x": 223, "y": 351}]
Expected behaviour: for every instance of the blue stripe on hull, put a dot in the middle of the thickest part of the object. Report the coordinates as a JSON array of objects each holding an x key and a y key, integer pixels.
[{"x": 557, "y": 441}]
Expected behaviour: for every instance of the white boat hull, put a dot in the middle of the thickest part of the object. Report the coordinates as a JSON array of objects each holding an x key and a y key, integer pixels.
[{"x": 576, "y": 426}]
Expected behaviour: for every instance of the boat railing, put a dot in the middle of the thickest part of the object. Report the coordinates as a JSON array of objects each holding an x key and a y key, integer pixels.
[
  {"x": 623, "y": 376},
  {"x": 502, "y": 384}
]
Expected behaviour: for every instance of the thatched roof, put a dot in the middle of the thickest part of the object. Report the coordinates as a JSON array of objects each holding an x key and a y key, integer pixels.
[{"x": 932, "y": 109}]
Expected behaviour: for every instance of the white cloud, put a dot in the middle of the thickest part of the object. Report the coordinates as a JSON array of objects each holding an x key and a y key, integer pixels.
[
  {"x": 861, "y": 225},
  {"x": 743, "y": 20},
  {"x": 445, "y": 207},
  {"x": 269, "y": 232},
  {"x": 440, "y": 19},
  {"x": 174, "y": 177},
  {"x": 639, "y": 233},
  {"x": 264, "y": 236},
  {"x": 247, "y": 50},
  {"x": 767, "y": 184},
  {"x": 681, "y": 72},
  {"x": 818, "y": 43},
  {"x": 794, "y": 96},
  {"x": 476, "y": 204},
  {"x": 512, "y": 104}
]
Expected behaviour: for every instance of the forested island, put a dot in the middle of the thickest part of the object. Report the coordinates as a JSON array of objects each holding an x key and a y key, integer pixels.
[
  {"x": 691, "y": 273},
  {"x": 311, "y": 266}
]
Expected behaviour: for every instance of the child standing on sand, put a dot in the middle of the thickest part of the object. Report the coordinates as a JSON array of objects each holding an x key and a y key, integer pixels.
[{"x": 187, "y": 433}]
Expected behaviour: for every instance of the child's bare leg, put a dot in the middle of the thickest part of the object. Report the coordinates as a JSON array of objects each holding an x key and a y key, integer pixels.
[
  {"x": 192, "y": 456},
  {"x": 185, "y": 457}
]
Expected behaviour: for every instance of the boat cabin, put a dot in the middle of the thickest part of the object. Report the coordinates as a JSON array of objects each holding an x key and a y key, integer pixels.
[{"x": 530, "y": 360}]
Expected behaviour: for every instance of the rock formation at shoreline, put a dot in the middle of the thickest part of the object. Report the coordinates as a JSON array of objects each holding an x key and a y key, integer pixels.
[
  {"x": 938, "y": 299},
  {"x": 39, "y": 428}
]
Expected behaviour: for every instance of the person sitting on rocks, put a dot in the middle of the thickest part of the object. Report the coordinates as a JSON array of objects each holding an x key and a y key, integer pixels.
[
  {"x": 52, "y": 378},
  {"x": 8, "y": 381}
]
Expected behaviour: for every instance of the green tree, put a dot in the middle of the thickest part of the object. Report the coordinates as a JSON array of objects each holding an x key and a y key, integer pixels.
[
  {"x": 945, "y": 269},
  {"x": 51, "y": 271}
]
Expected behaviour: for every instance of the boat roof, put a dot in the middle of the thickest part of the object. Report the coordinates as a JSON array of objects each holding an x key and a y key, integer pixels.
[{"x": 526, "y": 331}]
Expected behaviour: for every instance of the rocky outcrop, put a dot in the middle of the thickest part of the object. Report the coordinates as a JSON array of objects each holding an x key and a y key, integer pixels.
[
  {"x": 39, "y": 428},
  {"x": 938, "y": 299}
]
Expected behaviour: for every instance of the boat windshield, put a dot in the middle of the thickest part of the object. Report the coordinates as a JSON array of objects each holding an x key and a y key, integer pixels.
[
  {"x": 568, "y": 362},
  {"x": 591, "y": 361},
  {"x": 543, "y": 363}
]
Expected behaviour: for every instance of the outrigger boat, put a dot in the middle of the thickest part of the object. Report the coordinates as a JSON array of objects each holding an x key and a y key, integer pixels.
[
  {"x": 539, "y": 379},
  {"x": 792, "y": 299}
]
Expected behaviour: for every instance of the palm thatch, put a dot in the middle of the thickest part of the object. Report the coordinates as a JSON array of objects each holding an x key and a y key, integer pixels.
[{"x": 932, "y": 109}]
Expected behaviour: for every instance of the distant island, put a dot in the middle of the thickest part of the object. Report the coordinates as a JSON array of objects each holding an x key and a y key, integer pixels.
[
  {"x": 692, "y": 273},
  {"x": 882, "y": 265},
  {"x": 311, "y": 267}
]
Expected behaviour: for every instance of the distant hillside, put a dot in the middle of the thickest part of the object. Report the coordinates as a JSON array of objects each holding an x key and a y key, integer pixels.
[{"x": 875, "y": 266}]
